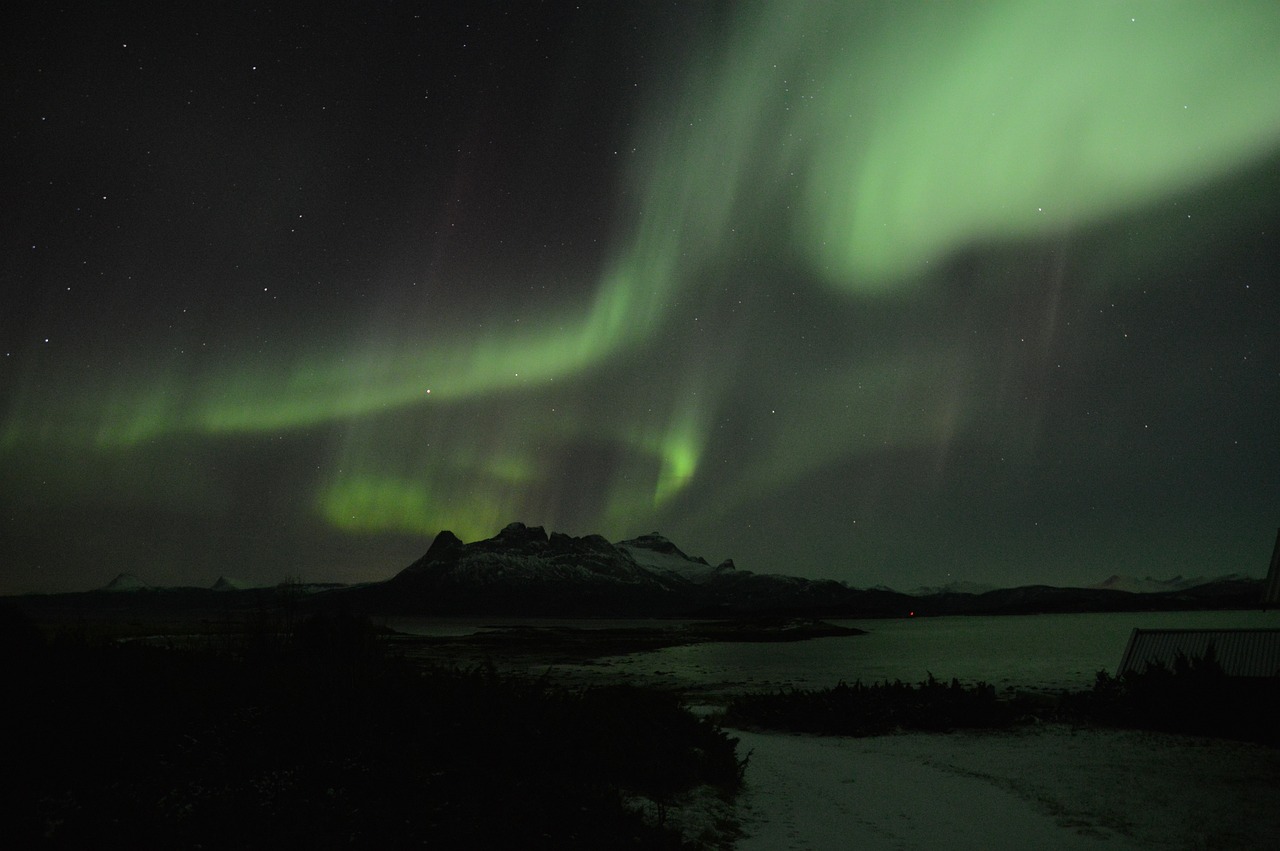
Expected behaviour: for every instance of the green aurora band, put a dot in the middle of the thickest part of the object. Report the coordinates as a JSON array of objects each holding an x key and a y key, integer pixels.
[{"x": 870, "y": 141}]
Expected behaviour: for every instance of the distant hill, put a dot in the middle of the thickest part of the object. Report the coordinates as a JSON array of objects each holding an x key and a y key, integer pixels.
[
  {"x": 525, "y": 572},
  {"x": 952, "y": 588},
  {"x": 226, "y": 583},
  {"x": 1148, "y": 585},
  {"x": 126, "y": 582}
]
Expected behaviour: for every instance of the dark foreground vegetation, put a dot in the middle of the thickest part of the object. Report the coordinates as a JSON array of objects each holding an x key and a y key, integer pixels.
[
  {"x": 319, "y": 738},
  {"x": 1191, "y": 697},
  {"x": 873, "y": 710}
]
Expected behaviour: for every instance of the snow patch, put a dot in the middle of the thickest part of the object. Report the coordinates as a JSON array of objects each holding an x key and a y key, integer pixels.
[{"x": 1052, "y": 787}]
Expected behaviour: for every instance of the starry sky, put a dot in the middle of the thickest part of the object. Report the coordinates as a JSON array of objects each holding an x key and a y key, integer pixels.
[{"x": 888, "y": 292}]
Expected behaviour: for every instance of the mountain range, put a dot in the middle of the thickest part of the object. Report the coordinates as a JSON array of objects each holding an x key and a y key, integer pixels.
[{"x": 525, "y": 572}]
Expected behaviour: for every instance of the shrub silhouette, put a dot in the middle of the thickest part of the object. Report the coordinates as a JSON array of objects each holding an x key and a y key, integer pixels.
[
  {"x": 325, "y": 740},
  {"x": 1192, "y": 695},
  {"x": 868, "y": 710}
]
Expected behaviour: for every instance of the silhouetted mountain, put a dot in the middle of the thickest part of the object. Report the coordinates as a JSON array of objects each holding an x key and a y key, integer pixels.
[
  {"x": 1159, "y": 586},
  {"x": 952, "y": 588},
  {"x": 654, "y": 552},
  {"x": 226, "y": 583},
  {"x": 126, "y": 582},
  {"x": 1227, "y": 593},
  {"x": 524, "y": 571}
]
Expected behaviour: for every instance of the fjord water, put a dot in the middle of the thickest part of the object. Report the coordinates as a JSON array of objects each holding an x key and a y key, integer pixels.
[{"x": 1039, "y": 652}]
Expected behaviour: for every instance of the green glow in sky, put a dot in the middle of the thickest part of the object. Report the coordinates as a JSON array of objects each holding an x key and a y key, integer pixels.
[
  {"x": 913, "y": 130},
  {"x": 412, "y": 506},
  {"x": 899, "y": 138},
  {"x": 294, "y": 389},
  {"x": 860, "y": 146},
  {"x": 1016, "y": 136}
]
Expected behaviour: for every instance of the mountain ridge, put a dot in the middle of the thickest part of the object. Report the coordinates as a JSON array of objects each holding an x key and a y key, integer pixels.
[{"x": 525, "y": 572}]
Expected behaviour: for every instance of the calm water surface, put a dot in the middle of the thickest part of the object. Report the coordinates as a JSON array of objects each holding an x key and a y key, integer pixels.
[{"x": 1031, "y": 651}]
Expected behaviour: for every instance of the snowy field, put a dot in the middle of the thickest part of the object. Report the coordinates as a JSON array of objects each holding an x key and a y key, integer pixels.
[{"x": 1048, "y": 787}]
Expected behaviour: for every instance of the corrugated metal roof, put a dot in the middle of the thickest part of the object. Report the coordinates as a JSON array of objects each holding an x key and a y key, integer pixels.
[{"x": 1240, "y": 652}]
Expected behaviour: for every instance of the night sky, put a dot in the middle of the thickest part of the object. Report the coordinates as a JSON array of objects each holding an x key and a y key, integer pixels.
[{"x": 894, "y": 293}]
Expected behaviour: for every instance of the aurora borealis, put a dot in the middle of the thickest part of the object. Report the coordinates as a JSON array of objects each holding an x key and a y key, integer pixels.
[{"x": 893, "y": 293}]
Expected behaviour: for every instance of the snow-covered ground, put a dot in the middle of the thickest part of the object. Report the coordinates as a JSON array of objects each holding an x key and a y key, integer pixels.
[{"x": 1049, "y": 787}]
